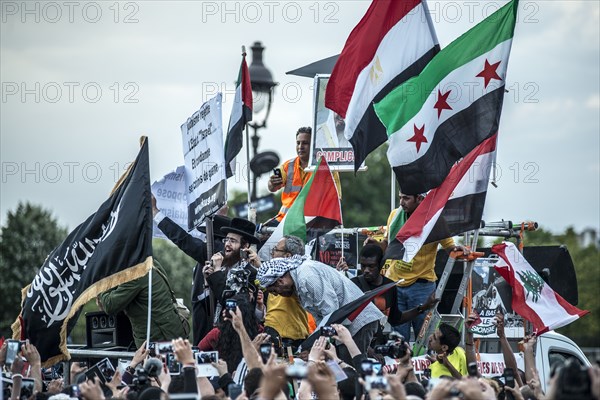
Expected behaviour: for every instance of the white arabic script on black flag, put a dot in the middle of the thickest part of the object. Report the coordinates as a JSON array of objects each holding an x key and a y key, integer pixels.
[{"x": 113, "y": 246}]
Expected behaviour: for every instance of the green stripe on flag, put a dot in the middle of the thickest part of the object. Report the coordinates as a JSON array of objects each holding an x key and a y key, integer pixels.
[
  {"x": 295, "y": 223},
  {"x": 405, "y": 101}
]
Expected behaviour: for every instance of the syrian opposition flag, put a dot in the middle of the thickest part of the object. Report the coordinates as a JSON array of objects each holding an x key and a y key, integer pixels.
[
  {"x": 240, "y": 115},
  {"x": 393, "y": 42},
  {"x": 111, "y": 247},
  {"x": 316, "y": 207},
  {"x": 347, "y": 313},
  {"x": 532, "y": 298},
  {"x": 438, "y": 117},
  {"x": 453, "y": 208}
]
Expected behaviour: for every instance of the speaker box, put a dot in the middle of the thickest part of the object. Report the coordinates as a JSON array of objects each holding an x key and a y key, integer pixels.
[
  {"x": 103, "y": 330},
  {"x": 552, "y": 263}
]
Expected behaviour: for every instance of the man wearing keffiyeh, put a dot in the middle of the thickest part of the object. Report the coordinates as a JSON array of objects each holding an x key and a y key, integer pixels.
[{"x": 321, "y": 290}]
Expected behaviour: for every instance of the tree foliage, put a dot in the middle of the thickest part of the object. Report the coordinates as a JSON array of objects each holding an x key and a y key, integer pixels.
[{"x": 28, "y": 236}]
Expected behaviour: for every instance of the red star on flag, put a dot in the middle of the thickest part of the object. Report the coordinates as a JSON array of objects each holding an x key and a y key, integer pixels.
[
  {"x": 442, "y": 102},
  {"x": 489, "y": 72},
  {"x": 418, "y": 137}
]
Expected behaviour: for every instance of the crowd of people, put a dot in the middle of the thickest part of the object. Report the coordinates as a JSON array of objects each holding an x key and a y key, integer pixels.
[{"x": 256, "y": 315}]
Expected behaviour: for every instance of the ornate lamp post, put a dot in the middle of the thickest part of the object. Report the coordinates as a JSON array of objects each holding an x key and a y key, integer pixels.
[{"x": 262, "y": 93}]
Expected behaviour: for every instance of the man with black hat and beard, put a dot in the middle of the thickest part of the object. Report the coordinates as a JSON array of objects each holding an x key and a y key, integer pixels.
[
  {"x": 230, "y": 271},
  {"x": 196, "y": 249}
]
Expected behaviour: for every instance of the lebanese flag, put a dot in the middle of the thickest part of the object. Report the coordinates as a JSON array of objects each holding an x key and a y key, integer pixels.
[
  {"x": 316, "y": 207},
  {"x": 347, "y": 313},
  {"x": 453, "y": 208},
  {"x": 393, "y": 42},
  {"x": 532, "y": 298},
  {"x": 241, "y": 114},
  {"x": 455, "y": 103}
]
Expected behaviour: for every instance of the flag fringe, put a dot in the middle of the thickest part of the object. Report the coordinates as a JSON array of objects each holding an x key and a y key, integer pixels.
[{"x": 129, "y": 274}]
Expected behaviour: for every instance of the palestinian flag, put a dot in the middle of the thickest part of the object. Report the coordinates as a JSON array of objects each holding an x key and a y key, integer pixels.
[
  {"x": 532, "y": 298},
  {"x": 348, "y": 312},
  {"x": 241, "y": 114},
  {"x": 436, "y": 118},
  {"x": 453, "y": 208},
  {"x": 316, "y": 207},
  {"x": 393, "y": 42}
]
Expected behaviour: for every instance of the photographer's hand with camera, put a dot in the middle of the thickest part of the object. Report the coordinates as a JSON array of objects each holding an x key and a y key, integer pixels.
[
  {"x": 32, "y": 356},
  {"x": 344, "y": 336},
  {"x": 55, "y": 386},
  {"x": 220, "y": 366},
  {"x": 139, "y": 357},
  {"x": 183, "y": 352},
  {"x": 91, "y": 389},
  {"x": 114, "y": 383},
  {"x": 317, "y": 350},
  {"x": 322, "y": 380},
  {"x": 274, "y": 379}
]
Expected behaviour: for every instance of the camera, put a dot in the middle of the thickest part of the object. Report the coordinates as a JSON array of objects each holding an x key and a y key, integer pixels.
[
  {"x": 230, "y": 304},
  {"x": 296, "y": 371},
  {"x": 393, "y": 350},
  {"x": 206, "y": 357},
  {"x": 106, "y": 369},
  {"x": 328, "y": 331},
  {"x": 74, "y": 391},
  {"x": 12, "y": 350},
  {"x": 265, "y": 351},
  {"x": 163, "y": 347},
  {"x": 376, "y": 382},
  {"x": 173, "y": 366}
]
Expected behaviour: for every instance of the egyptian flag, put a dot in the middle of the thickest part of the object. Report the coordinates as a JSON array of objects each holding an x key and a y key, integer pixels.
[
  {"x": 111, "y": 247},
  {"x": 532, "y": 298},
  {"x": 453, "y": 208},
  {"x": 438, "y": 117},
  {"x": 241, "y": 114},
  {"x": 317, "y": 208},
  {"x": 393, "y": 42},
  {"x": 347, "y": 313}
]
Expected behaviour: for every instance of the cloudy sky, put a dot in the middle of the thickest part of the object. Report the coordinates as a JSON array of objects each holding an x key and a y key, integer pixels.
[{"x": 82, "y": 81}]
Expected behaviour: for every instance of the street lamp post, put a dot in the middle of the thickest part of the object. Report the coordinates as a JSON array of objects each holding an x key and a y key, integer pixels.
[{"x": 262, "y": 83}]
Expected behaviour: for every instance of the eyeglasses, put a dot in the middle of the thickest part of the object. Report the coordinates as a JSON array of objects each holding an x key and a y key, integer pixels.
[
  {"x": 230, "y": 240},
  {"x": 275, "y": 250}
]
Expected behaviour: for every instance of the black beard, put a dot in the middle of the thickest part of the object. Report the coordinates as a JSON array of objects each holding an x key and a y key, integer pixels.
[{"x": 232, "y": 259}]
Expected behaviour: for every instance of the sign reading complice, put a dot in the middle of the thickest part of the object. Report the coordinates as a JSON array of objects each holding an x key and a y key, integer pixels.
[{"x": 202, "y": 137}]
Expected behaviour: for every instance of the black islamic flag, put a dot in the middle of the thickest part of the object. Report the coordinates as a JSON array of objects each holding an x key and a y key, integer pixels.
[{"x": 111, "y": 247}]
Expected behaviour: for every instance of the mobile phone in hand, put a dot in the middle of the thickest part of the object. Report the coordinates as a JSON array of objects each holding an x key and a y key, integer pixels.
[{"x": 277, "y": 172}]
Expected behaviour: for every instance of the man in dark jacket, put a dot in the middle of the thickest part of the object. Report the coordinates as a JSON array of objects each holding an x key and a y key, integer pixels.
[
  {"x": 132, "y": 298},
  {"x": 196, "y": 249}
]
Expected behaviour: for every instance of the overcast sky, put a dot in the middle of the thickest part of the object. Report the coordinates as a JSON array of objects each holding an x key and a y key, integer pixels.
[{"x": 82, "y": 81}]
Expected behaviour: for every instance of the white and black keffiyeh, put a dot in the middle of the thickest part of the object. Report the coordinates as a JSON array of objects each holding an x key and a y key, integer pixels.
[{"x": 275, "y": 268}]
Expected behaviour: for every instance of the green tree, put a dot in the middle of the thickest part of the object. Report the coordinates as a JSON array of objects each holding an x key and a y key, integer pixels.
[
  {"x": 28, "y": 236},
  {"x": 178, "y": 266},
  {"x": 366, "y": 195}
]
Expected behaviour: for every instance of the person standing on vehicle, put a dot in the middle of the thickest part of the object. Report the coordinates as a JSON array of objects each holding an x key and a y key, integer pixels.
[{"x": 418, "y": 274}]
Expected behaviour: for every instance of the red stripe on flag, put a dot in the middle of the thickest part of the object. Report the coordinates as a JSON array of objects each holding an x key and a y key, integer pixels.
[
  {"x": 380, "y": 18},
  {"x": 246, "y": 85},
  {"x": 322, "y": 199},
  {"x": 437, "y": 198}
]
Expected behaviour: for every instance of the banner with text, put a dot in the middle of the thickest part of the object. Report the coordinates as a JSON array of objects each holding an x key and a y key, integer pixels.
[
  {"x": 171, "y": 200},
  {"x": 205, "y": 181}
]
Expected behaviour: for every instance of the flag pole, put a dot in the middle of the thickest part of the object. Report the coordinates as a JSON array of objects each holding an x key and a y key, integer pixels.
[
  {"x": 247, "y": 150},
  {"x": 149, "y": 308},
  {"x": 392, "y": 191}
]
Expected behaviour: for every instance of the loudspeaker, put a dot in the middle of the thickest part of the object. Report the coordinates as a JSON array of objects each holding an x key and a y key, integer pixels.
[
  {"x": 103, "y": 330},
  {"x": 552, "y": 263}
]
